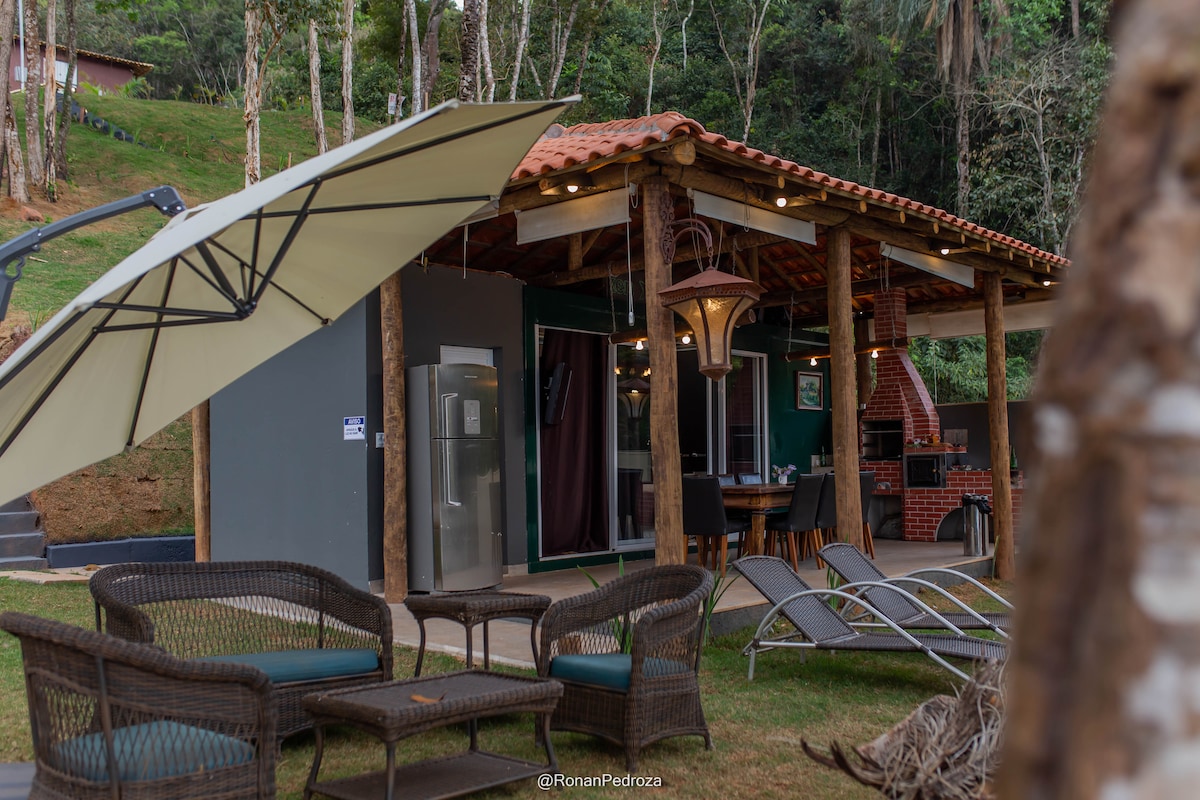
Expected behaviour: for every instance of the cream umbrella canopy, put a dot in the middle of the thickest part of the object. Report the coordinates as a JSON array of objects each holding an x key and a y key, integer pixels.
[{"x": 225, "y": 286}]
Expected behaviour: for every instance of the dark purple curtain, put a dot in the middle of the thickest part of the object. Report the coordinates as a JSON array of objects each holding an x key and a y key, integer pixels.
[{"x": 573, "y": 470}]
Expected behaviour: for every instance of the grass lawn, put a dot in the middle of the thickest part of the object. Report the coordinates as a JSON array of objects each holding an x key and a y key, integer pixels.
[{"x": 756, "y": 726}]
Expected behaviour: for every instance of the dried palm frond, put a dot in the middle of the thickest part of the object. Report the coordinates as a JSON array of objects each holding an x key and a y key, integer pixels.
[{"x": 946, "y": 749}]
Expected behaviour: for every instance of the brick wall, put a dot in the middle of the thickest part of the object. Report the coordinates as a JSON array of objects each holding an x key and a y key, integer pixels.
[{"x": 899, "y": 391}]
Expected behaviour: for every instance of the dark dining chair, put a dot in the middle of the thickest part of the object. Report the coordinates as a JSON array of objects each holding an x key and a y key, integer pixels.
[
  {"x": 704, "y": 517},
  {"x": 800, "y": 519},
  {"x": 866, "y": 484},
  {"x": 827, "y": 512},
  {"x": 726, "y": 480},
  {"x": 748, "y": 478},
  {"x": 826, "y": 520}
]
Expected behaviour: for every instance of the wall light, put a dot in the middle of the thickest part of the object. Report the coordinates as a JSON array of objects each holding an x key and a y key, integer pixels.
[
  {"x": 687, "y": 338},
  {"x": 874, "y": 354},
  {"x": 639, "y": 345},
  {"x": 812, "y": 362},
  {"x": 1047, "y": 282}
]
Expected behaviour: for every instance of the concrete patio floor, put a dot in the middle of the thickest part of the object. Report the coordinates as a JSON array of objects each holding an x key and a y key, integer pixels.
[{"x": 741, "y": 604}]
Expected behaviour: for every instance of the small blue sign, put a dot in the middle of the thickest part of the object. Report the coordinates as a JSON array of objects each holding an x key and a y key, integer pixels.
[{"x": 354, "y": 428}]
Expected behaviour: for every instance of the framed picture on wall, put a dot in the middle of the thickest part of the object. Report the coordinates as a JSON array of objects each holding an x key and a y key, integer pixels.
[{"x": 810, "y": 391}]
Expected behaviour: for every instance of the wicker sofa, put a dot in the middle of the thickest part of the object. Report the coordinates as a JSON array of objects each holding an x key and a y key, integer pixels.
[
  {"x": 112, "y": 718},
  {"x": 305, "y": 627}
]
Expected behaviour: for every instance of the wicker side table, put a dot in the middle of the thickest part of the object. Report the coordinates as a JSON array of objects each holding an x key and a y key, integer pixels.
[
  {"x": 390, "y": 712},
  {"x": 472, "y": 608}
]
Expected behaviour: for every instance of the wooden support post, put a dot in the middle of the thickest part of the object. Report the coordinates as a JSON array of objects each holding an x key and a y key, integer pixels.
[
  {"x": 842, "y": 380},
  {"x": 862, "y": 364},
  {"x": 395, "y": 471},
  {"x": 201, "y": 486},
  {"x": 997, "y": 387},
  {"x": 670, "y": 542}
]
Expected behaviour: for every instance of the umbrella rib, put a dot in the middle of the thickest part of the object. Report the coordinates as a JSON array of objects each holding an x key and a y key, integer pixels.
[
  {"x": 222, "y": 282},
  {"x": 286, "y": 244},
  {"x": 237, "y": 304},
  {"x": 248, "y": 286},
  {"x": 205, "y": 316},
  {"x": 150, "y": 351},
  {"x": 429, "y": 201}
]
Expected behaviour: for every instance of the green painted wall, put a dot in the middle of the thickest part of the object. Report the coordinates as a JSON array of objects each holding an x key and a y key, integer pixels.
[{"x": 794, "y": 434}]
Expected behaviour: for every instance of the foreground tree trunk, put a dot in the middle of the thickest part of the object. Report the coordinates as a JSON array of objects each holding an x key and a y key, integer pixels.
[{"x": 1104, "y": 701}]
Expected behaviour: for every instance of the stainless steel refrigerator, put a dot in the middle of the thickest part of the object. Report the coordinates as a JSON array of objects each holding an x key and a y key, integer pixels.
[{"x": 454, "y": 515}]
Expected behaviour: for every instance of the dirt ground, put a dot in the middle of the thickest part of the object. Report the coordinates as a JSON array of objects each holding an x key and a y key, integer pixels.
[{"x": 147, "y": 491}]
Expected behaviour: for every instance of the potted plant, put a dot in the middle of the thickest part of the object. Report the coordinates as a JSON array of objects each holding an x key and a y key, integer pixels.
[{"x": 781, "y": 473}]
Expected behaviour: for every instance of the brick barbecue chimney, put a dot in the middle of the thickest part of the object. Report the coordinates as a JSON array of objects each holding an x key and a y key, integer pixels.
[{"x": 899, "y": 394}]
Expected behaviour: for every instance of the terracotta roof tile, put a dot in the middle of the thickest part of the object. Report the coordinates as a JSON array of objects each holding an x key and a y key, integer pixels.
[{"x": 562, "y": 148}]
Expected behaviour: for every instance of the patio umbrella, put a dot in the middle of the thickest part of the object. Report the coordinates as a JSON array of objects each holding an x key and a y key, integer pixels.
[{"x": 225, "y": 286}]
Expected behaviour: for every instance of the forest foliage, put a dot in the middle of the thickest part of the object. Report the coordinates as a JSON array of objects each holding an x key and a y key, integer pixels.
[{"x": 983, "y": 107}]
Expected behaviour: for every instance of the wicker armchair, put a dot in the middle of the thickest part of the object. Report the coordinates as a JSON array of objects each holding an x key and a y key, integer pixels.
[
  {"x": 172, "y": 728},
  {"x": 628, "y": 656},
  {"x": 308, "y": 629}
]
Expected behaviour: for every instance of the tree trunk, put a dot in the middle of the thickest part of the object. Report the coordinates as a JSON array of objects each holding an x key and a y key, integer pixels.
[
  {"x": 654, "y": 51},
  {"x": 50, "y": 99},
  {"x": 431, "y": 52},
  {"x": 485, "y": 54},
  {"x": 1103, "y": 700},
  {"x": 962, "y": 161},
  {"x": 17, "y": 188},
  {"x": 7, "y": 24},
  {"x": 314, "y": 86},
  {"x": 469, "y": 62},
  {"x": 522, "y": 43},
  {"x": 33, "y": 74},
  {"x": 201, "y": 483},
  {"x": 562, "y": 34},
  {"x": 418, "y": 98},
  {"x": 347, "y": 71},
  {"x": 253, "y": 96},
  {"x": 64, "y": 123}
]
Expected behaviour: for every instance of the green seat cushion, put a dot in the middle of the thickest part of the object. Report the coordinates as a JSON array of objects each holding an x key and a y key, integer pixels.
[
  {"x": 610, "y": 669},
  {"x": 286, "y": 666},
  {"x": 152, "y": 751}
]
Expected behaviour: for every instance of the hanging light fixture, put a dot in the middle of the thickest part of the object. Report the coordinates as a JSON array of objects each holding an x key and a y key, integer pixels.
[
  {"x": 633, "y": 395},
  {"x": 711, "y": 302},
  {"x": 687, "y": 339}
]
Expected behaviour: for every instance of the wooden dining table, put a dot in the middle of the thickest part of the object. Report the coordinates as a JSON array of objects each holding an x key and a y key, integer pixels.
[{"x": 758, "y": 499}]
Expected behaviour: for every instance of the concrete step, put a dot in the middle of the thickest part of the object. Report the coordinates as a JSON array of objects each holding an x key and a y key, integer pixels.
[
  {"x": 22, "y": 545},
  {"x": 16, "y": 562},
  {"x": 19, "y": 521},
  {"x": 20, "y": 504}
]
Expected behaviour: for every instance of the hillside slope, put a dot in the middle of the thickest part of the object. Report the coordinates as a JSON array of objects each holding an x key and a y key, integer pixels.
[{"x": 200, "y": 151}]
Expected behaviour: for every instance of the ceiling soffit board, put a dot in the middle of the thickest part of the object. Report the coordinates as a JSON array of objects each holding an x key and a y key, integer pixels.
[
  {"x": 708, "y": 205},
  {"x": 1038, "y": 315},
  {"x": 950, "y": 270},
  {"x": 573, "y": 216}
]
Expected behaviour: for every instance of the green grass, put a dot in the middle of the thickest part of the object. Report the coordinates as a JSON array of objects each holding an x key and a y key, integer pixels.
[{"x": 756, "y": 726}]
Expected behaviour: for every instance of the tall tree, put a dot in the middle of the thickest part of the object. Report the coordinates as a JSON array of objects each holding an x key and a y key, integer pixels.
[
  {"x": 253, "y": 101},
  {"x": 314, "y": 86},
  {"x": 519, "y": 50},
  {"x": 7, "y": 23},
  {"x": 64, "y": 122},
  {"x": 468, "y": 73},
  {"x": 964, "y": 32},
  {"x": 347, "y": 71},
  {"x": 485, "y": 53},
  {"x": 33, "y": 78},
  {"x": 741, "y": 43},
  {"x": 418, "y": 79},
  {"x": 50, "y": 97},
  {"x": 1103, "y": 700}
]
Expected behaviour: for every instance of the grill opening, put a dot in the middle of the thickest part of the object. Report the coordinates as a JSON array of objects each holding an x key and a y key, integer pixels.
[{"x": 924, "y": 470}]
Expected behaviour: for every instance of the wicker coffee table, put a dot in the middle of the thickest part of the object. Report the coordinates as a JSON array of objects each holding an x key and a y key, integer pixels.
[
  {"x": 389, "y": 712},
  {"x": 471, "y": 608}
]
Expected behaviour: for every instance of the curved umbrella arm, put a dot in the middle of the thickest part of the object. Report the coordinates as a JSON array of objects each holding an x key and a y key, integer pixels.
[
  {"x": 962, "y": 576},
  {"x": 164, "y": 199}
]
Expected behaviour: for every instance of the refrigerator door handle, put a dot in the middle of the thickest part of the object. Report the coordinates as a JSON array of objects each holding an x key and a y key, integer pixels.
[
  {"x": 447, "y": 478},
  {"x": 446, "y": 431}
]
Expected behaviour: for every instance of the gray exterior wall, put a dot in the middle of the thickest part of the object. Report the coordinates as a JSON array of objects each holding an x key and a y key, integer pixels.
[
  {"x": 285, "y": 485},
  {"x": 449, "y": 307}
]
